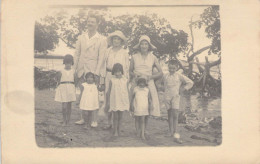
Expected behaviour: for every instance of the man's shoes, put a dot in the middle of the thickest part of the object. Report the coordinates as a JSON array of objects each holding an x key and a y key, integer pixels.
[{"x": 80, "y": 122}]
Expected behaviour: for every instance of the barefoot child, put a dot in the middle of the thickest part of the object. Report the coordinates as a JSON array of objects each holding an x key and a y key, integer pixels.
[
  {"x": 140, "y": 105},
  {"x": 66, "y": 92},
  {"x": 89, "y": 100},
  {"x": 172, "y": 82},
  {"x": 117, "y": 97}
]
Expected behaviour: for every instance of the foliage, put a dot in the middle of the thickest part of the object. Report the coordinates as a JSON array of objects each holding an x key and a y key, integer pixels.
[
  {"x": 45, "y": 79},
  {"x": 210, "y": 19},
  {"x": 170, "y": 42},
  {"x": 163, "y": 36},
  {"x": 45, "y": 37}
]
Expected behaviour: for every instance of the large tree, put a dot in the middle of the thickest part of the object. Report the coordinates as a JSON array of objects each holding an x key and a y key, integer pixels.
[
  {"x": 45, "y": 37},
  {"x": 210, "y": 21},
  {"x": 170, "y": 43},
  {"x": 163, "y": 36}
]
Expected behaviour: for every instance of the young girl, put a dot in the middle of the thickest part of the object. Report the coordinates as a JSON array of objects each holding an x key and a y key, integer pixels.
[
  {"x": 66, "y": 92},
  {"x": 172, "y": 82},
  {"x": 116, "y": 53},
  {"x": 117, "y": 97},
  {"x": 89, "y": 102},
  {"x": 140, "y": 105}
]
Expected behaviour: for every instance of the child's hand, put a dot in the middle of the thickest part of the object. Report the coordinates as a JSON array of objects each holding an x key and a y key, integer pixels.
[
  {"x": 132, "y": 114},
  {"x": 101, "y": 88}
]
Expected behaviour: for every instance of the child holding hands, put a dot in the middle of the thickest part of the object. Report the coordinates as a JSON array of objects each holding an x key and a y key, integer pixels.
[
  {"x": 89, "y": 102},
  {"x": 66, "y": 91},
  {"x": 172, "y": 82}
]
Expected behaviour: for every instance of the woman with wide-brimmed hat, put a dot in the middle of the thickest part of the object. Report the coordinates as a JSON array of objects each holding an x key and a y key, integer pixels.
[
  {"x": 115, "y": 54},
  {"x": 141, "y": 65}
]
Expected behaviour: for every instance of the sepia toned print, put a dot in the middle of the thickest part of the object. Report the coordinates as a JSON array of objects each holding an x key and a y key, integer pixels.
[
  {"x": 43, "y": 119},
  {"x": 151, "y": 38}
]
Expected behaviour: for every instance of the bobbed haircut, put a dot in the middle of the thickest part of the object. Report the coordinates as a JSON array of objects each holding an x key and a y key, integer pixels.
[
  {"x": 117, "y": 68},
  {"x": 89, "y": 74},
  {"x": 68, "y": 59},
  {"x": 142, "y": 80}
]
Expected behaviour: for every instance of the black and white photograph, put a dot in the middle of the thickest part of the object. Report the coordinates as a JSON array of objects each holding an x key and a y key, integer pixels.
[
  {"x": 128, "y": 76},
  {"x": 130, "y": 81}
]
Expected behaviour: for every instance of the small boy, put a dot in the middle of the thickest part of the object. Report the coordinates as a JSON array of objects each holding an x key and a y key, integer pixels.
[{"x": 172, "y": 82}]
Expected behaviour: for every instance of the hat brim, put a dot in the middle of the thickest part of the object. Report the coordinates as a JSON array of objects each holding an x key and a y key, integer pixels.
[
  {"x": 121, "y": 36},
  {"x": 138, "y": 45}
]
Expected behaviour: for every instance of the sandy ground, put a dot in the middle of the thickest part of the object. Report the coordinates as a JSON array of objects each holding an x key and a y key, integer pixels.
[{"x": 50, "y": 133}]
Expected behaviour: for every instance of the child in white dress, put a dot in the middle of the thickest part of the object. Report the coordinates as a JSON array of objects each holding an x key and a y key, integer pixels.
[
  {"x": 89, "y": 102},
  {"x": 172, "y": 82},
  {"x": 117, "y": 97},
  {"x": 140, "y": 105},
  {"x": 66, "y": 92}
]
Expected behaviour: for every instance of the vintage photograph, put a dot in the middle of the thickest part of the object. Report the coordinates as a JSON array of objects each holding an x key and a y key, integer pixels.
[{"x": 128, "y": 76}]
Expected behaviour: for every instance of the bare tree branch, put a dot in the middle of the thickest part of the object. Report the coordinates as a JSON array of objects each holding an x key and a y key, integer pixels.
[
  {"x": 192, "y": 39},
  {"x": 199, "y": 67},
  {"x": 197, "y": 63},
  {"x": 215, "y": 63},
  {"x": 198, "y": 52}
]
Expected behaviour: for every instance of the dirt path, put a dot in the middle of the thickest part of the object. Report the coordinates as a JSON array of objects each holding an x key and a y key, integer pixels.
[{"x": 50, "y": 133}]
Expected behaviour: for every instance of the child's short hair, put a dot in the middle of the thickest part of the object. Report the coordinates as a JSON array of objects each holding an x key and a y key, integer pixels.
[
  {"x": 141, "y": 80},
  {"x": 173, "y": 62},
  {"x": 116, "y": 68},
  {"x": 68, "y": 59},
  {"x": 88, "y": 75}
]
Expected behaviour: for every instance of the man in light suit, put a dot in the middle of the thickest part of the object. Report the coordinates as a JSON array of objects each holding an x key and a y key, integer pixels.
[{"x": 90, "y": 56}]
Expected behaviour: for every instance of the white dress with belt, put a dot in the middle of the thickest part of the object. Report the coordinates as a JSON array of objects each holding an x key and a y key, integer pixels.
[{"x": 66, "y": 91}]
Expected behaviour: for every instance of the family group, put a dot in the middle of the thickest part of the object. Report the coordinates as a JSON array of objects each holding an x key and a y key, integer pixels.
[{"x": 103, "y": 64}]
